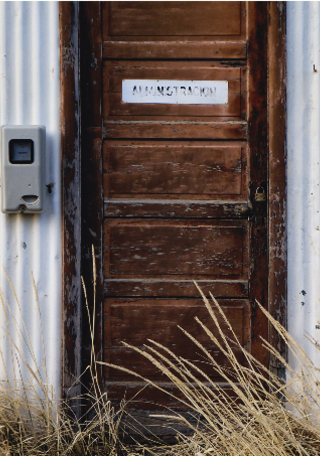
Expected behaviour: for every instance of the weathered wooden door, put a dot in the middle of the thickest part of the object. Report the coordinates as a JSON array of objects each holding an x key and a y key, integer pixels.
[{"x": 175, "y": 179}]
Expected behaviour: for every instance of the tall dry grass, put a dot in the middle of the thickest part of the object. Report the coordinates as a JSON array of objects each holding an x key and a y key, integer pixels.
[
  {"x": 263, "y": 416},
  {"x": 32, "y": 420}
]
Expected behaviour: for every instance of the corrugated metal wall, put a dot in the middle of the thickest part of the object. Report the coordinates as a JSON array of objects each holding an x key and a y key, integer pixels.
[
  {"x": 30, "y": 94},
  {"x": 303, "y": 171}
]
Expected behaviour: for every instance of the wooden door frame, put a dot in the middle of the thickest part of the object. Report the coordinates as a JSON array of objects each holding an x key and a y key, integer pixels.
[
  {"x": 81, "y": 140},
  {"x": 277, "y": 85},
  {"x": 81, "y": 227},
  {"x": 71, "y": 198}
]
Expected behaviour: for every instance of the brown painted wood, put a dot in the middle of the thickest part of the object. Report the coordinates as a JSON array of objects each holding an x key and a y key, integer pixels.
[
  {"x": 165, "y": 208},
  {"x": 176, "y": 19},
  {"x": 171, "y": 170},
  {"x": 175, "y": 247},
  {"x": 166, "y": 221},
  {"x": 115, "y": 72},
  {"x": 134, "y": 321},
  {"x": 91, "y": 179},
  {"x": 145, "y": 399},
  {"x": 176, "y": 288},
  {"x": 177, "y": 50},
  {"x": 70, "y": 178},
  {"x": 277, "y": 172},
  {"x": 258, "y": 146},
  {"x": 159, "y": 256},
  {"x": 174, "y": 129},
  {"x": 76, "y": 241}
]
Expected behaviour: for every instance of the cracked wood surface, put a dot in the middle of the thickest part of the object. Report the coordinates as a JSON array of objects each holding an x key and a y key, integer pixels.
[
  {"x": 177, "y": 197},
  {"x": 167, "y": 189}
]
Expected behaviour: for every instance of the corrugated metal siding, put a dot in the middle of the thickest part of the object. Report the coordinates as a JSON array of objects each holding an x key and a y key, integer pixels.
[
  {"x": 30, "y": 94},
  {"x": 303, "y": 186}
]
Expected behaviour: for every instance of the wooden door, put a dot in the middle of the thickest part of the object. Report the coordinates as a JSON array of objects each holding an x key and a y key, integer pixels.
[
  {"x": 169, "y": 188},
  {"x": 176, "y": 177}
]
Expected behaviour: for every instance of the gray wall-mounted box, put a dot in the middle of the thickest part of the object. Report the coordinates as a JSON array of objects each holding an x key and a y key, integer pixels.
[{"x": 23, "y": 153}]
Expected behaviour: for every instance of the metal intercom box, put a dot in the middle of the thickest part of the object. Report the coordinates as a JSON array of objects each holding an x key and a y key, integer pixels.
[{"x": 23, "y": 154}]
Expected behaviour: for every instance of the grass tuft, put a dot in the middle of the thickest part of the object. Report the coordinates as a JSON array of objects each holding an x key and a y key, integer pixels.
[
  {"x": 32, "y": 421},
  {"x": 259, "y": 414},
  {"x": 262, "y": 416}
]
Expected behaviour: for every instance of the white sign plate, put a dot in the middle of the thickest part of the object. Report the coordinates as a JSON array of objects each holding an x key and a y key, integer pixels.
[{"x": 174, "y": 92}]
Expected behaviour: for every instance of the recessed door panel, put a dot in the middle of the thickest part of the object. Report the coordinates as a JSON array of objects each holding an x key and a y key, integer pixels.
[
  {"x": 167, "y": 169},
  {"x": 125, "y": 19},
  {"x": 181, "y": 248},
  {"x": 124, "y": 324},
  {"x": 177, "y": 78}
]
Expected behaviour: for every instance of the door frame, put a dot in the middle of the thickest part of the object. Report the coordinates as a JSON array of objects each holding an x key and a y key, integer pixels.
[{"x": 81, "y": 168}]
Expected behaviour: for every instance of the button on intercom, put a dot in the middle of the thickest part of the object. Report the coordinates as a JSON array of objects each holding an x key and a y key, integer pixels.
[{"x": 23, "y": 153}]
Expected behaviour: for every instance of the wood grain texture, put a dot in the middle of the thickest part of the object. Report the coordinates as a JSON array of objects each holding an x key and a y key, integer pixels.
[
  {"x": 115, "y": 72},
  {"x": 174, "y": 170},
  {"x": 91, "y": 181},
  {"x": 71, "y": 216},
  {"x": 148, "y": 398},
  {"x": 174, "y": 50},
  {"x": 171, "y": 214},
  {"x": 136, "y": 321},
  {"x": 173, "y": 247},
  {"x": 141, "y": 297},
  {"x": 277, "y": 166},
  {"x": 164, "y": 208},
  {"x": 258, "y": 145},
  {"x": 159, "y": 129},
  {"x": 175, "y": 288},
  {"x": 172, "y": 19}
]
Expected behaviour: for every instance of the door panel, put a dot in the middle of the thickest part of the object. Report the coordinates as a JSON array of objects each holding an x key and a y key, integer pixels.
[
  {"x": 153, "y": 19},
  {"x": 209, "y": 170},
  {"x": 123, "y": 315},
  {"x": 175, "y": 247},
  {"x": 116, "y": 72}
]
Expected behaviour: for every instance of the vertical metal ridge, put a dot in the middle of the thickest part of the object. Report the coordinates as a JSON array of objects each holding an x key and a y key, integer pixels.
[
  {"x": 303, "y": 190},
  {"x": 30, "y": 94}
]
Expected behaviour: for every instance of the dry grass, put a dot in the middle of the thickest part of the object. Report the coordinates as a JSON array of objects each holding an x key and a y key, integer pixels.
[
  {"x": 32, "y": 421},
  {"x": 265, "y": 416}
]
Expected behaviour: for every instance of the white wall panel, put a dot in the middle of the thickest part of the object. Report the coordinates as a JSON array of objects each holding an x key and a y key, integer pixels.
[
  {"x": 303, "y": 171},
  {"x": 30, "y": 94}
]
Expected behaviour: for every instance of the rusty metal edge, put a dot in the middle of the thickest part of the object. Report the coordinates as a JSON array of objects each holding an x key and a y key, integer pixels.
[
  {"x": 71, "y": 200},
  {"x": 277, "y": 174}
]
